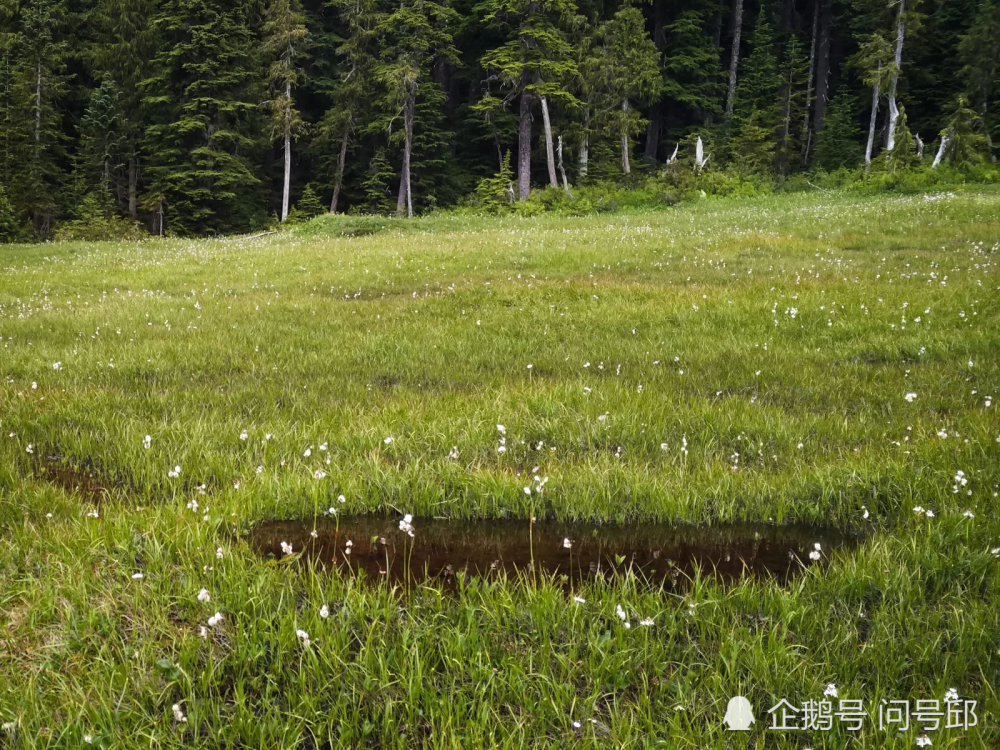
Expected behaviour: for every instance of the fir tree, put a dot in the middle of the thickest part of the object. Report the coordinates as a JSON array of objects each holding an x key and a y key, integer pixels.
[
  {"x": 629, "y": 70},
  {"x": 757, "y": 113},
  {"x": 204, "y": 124},
  {"x": 837, "y": 144},
  {"x": 979, "y": 51},
  {"x": 8, "y": 219},
  {"x": 693, "y": 75},
  {"x": 534, "y": 62},
  {"x": 285, "y": 38},
  {"x": 121, "y": 53},
  {"x": 416, "y": 34}
]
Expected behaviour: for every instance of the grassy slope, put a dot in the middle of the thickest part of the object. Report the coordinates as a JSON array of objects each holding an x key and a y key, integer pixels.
[{"x": 425, "y": 332}]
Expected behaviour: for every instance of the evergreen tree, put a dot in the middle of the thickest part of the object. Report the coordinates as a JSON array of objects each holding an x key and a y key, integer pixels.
[
  {"x": 693, "y": 75},
  {"x": 979, "y": 51},
  {"x": 837, "y": 143},
  {"x": 629, "y": 70},
  {"x": 416, "y": 34},
  {"x": 102, "y": 159},
  {"x": 204, "y": 127},
  {"x": 36, "y": 62},
  {"x": 285, "y": 38},
  {"x": 757, "y": 114},
  {"x": 121, "y": 53},
  {"x": 534, "y": 62},
  {"x": 794, "y": 83},
  {"x": 351, "y": 86},
  {"x": 8, "y": 219}
]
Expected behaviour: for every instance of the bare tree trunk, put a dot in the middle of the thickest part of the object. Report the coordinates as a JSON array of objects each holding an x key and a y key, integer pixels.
[
  {"x": 405, "y": 197},
  {"x": 734, "y": 60},
  {"x": 562, "y": 169},
  {"x": 287, "y": 189},
  {"x": 133, "y": 180},
  {"x": 583, "y": 161},
  {"x": 549, "y": 150},
  {"x": 871, "y": 126},
  {"x": 806, "y": 130},
  {"x": 942, "y": 149},
  {"x": 338, "y": 179},
  {"x": 626, "y": 164},
  {"x": 890, "y": 138},
  {"x": 524, "y": 147}
]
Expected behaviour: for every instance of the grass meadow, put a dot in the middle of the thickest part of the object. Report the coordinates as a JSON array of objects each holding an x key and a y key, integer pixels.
[{"x": 824, "y": 358}]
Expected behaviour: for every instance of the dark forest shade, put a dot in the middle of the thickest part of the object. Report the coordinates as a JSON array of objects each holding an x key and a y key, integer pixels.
[{"x": 212, "y": 117}]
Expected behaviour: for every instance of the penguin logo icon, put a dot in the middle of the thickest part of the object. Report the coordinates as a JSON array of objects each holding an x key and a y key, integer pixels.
[{"x": 739, "y": 715}]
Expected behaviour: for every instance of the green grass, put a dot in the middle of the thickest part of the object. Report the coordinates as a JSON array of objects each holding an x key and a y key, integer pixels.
[{"x": 604, "y": 345}]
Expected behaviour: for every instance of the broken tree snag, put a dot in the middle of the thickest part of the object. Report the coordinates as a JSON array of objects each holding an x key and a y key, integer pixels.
[
  {"x": 890, "y": 138},
  {"x": 549, "y": 152}
]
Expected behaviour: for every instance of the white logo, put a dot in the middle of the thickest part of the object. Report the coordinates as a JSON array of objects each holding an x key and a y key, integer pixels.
[{"x": 739, "y": 715}]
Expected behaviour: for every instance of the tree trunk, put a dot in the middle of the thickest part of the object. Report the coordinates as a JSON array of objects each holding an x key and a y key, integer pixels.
[
  {"x": 717, "y": 24},
  {"x": 133, "y": 180},
  {"x": 338, "y": 179},
  {"x": 524, "y": 147},
  {"x": 550, "y": 155},
  {"x": 626, "y": 164},
  {"x": 871, "y": 125},
  {"x": 38, "y": 104},
  {"x": 822, "y": 67},
  {"x": 287, "y": 189},
  {"x": 734, "y": 60},
  {"x": 945, "y": 142},
  {"x": 583, "y": 161},
  {"x": 653, "y": 131},
  {"x": 562, "y": 169},
  {"x": 890, "y": 137},
  {"x": 806, "y": 131},
  {"x": 405, "y": 201}
]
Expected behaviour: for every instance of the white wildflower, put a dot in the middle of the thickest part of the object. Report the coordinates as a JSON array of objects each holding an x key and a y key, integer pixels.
[
  {"x": 204, "y": 596},
  {"x": 179, "y": 716}
]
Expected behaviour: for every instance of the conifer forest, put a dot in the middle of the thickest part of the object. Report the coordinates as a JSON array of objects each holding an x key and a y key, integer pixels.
[{"x": 186, "y": 117}]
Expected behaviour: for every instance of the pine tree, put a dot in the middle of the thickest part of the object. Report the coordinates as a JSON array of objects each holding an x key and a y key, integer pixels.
[
  {"x": 377, "y": 184},
  {"x": 204, "y": 126},
  {"x": 756, "y": 112},
  {"x": 964, "y": 137},
  {"x": 837, "y": 144},
  {"x": 535, "y": 61},
  {"x": 979, "y": 51},
  {"x": 794, "y": 83},
  {"x": 38, "y": 81},
  {"x": 416, "y": 34},
  {"x": 285, "y": 39},
  {"x": 102, "y": 159},
  {"x": 121, "y": 52},
  {"x": 8, "y": 219},
  {"x": 629, "y": 70},
  {"x": 693, "y": 74},
  {"x": 351, "y": 85},
  {"x": 876, "y": 67}
]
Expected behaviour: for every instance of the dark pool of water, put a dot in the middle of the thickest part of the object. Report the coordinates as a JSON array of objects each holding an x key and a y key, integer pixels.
[
  {"x": 73, "y": 480},
  {"x": 441, "y": 548}
]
